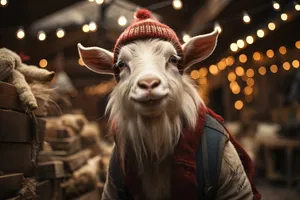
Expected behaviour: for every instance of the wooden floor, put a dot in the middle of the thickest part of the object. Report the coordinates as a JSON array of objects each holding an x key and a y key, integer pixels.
[{"x": 277, "y": 191}]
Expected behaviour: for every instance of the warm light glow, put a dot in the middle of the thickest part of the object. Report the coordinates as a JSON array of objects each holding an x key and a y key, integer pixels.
[
  {"x": 273, "y": 68},
  {"x": 186, "y": 37},
  {"x": 202, "y": 72},
  {"x": 231, "y": 76},
  {"x": 297, "y": 44},
  {"x": 262, "y": 70},
  {"x": 246, "y": 18},
  {"x": 85, "y": 28},
  {"x": 177, "y": 4},
  {"x": 295, "y": 63},
  {"x": 260, "y": 33},
  {"x": 3, "y": 3},
  {"x": 60, "y": 33},
  {"x": 202, "y": 81},
  {"x": 222, "y": 64},
  {"x": 43, "y": 63},
  {"x": 213, "y": 69},
  {"x": 218, "y": 27},
  {"x": 20, "y": 34},
  {"x": 99, "y": 2},
  {"x": 238, "y": 105},
  {"x": 250, "y": 73},
  {"x": 41, "y": 35},
  {"x": 122, "y": 21},
  {"x": 249, "y": 39},
  {"x": 243, "y": 58},
  {"x": 80, "y": 62},
  {"x": 282, "y": 50},
  {"x": 240, "y": 43},
  {"x": 195, "y": 74},
  {"x": 230, "y": 61},
  {"x": 297, "y": 7},
  {"x": 284, "y": 16},
  {"x": 233, "y": 85},
  {"x": 276, "y": 5},
  {"x": 233, "y": 47},
  {"x": 239, "y": 71},
  {"x": 270, "y": 53},
  {"x": 250, "y": 82},
  {"x": 286, "y": 66},
  {"x": 235, "y": 89},
  {"x": 248, "y": 90},
  {"x": 92, "y": 26},
  {"x": 272, "y": 26},
  {"x": 257, "y": 56},
  {"x": 91, "y": 0}
]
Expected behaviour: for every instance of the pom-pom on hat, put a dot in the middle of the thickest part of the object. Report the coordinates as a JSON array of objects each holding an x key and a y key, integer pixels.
[{"x": 146, "y": 27}]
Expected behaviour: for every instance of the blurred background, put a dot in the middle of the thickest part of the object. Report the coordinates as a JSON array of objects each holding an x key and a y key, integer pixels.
[{"x": 251, "y": 79}]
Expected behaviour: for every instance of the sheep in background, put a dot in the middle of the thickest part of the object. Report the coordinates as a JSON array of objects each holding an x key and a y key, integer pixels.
[{"x": 14, "y": 71}]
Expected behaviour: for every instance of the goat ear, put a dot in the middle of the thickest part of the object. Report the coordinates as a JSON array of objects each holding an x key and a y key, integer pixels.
[
  {"x": 199, "y": 48},
  {"x": 96, "y": 59}
]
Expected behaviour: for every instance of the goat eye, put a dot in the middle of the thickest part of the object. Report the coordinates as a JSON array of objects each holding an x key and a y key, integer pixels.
[
  {"x": 174, "y": 60},
  {"x": 121, "y": 64}
]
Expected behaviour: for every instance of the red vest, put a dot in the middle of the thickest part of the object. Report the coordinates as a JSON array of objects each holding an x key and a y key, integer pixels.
[{"x": 183, "y": 177}]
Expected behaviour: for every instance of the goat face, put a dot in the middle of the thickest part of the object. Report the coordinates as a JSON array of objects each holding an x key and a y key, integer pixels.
[{"x": 150, "y": 82}]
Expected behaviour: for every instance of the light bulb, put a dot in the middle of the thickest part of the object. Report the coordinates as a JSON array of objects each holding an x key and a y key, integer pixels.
[
  {"x": 3, "y": 3},
  {"x": 43, "y": 63},
  {"x": 246, "y": 18},
  {"x": 186, "y": 37},
  {"x": 260, "y": 33},
  {"x": 60, "y": 33},
  {"x": 85, "y": 28},
  {"x": 272, "y": 26},
  {"x": 99, "y": 2},
  {"x": 92, "y": 26},
  {"x": 276, "y": 5},
  {"x": 20, "y": 34},
  {"x": 284, "y": 16},
  {"x": 42, "y": 35},
  {"x": 177, "y": 4},
  {"x": 249, "y": 39},
  {"x": 122, "y": 21},
  {"x": 233, "y": 47}
]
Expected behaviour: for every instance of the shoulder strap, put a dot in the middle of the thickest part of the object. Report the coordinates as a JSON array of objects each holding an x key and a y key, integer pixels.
[{"x": 209, "y": 158}]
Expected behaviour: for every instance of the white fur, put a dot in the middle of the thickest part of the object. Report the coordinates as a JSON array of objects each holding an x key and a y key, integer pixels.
[{"x": 152, "y": 131}]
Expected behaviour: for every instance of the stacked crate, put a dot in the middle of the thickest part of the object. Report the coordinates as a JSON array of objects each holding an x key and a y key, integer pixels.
[{"x": 21, "y": 138}]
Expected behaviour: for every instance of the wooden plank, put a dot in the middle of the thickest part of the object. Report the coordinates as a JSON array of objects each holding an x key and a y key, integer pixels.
[
  {"x": 74, "y": 161},
  {"x": 16, "y": 158},
  {"x": 51, "y": 170},
  {"x": 9, "y": 98},
  {"x": 10, "y": 184},
  {"x": 45, "y": 190},
  {"x": 17, "y": 127},
  {"x": 70, "y": 145}
]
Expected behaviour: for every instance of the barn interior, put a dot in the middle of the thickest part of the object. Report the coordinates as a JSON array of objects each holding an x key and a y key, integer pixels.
[{"x": 61, "y": 150}]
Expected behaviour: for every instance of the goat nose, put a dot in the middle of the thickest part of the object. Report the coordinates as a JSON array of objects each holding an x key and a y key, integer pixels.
[{"x": 148, "y": 83}]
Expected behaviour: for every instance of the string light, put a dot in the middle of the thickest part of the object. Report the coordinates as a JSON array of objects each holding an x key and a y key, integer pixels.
[
  {"x": 250, "y": 82},
  {"x": 85, "y": 28},
  {"x": 272, "y": 26},
  {"x": 186, "y": 37},
  {"x": 3, "y": 3},
  {"x": 257, "y": 56},
  {"x": 233, "y": 84},
  {"x": 250, "y": 73},
  {"x": 43, "y": 63},
  {"x": 243, "y": 58},
  {"x": 246, "y": 18},
  {"x": 238, "y": 105},
  {"x": 177, "y": 4},
  {"x": 295, "y": 63},
  {"x": 122, "y": 21},
  {"x": 249, "y": 39},
  {"x": 60, "y": 33},
  {"x": 203, "y": 72},
  {"x": 213, "y": 69},
  {"x": 297, "y": 44},
  {"x": 284, "y": 16},
  {"x": 239, "y": 71},
  {"x": 42, "y": 35},
  {"x": 286, "y": 66},
  {"x": 276, "y": 5},
  {"x": 99, "y": 2},
  {"x": 231, "y": 76},
  {"x": 93, "y": 26},
  {"x": 235, "y": 89},
  {"x": 270, "y": 53},
  {"x": 282, "y": 50},
  {"x": 273, "y": 68},
  {"x": 260, "y": 33},
  {"x": 248, "y": 90},
  {"x": 222, "y": 64},
  {"x": 262, "y": 70},
  {"x": 195, "y": 74},
  {"x": 297, "y": 6},
  {"x": 233, "y": 47},
  {"x": 230, "y": 61},
  {"x": 240, "y": 43},
  {"x": 20, "y": 34}
]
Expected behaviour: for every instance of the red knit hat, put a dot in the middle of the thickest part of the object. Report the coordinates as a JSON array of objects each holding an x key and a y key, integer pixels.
[{"x": 146, "y": 27}]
